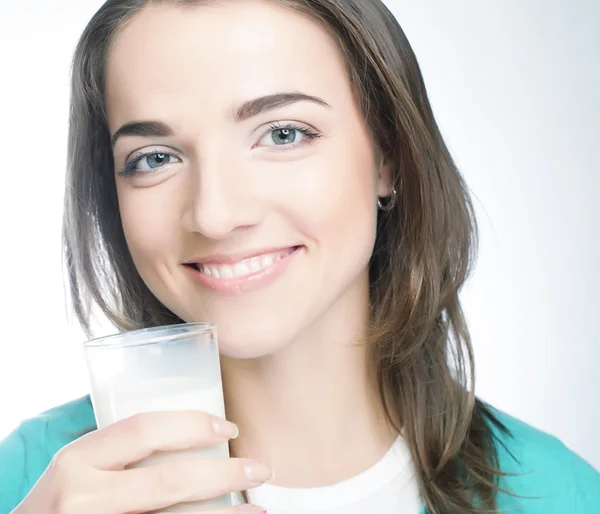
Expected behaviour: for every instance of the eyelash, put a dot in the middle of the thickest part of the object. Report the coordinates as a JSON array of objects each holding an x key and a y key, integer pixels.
[
  {"x": 309, "y": 136},
  {"x": 129, "y": 168}
]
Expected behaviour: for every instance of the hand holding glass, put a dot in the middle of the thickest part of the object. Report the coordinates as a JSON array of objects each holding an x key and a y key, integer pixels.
[{"x": 172, "y": 368}]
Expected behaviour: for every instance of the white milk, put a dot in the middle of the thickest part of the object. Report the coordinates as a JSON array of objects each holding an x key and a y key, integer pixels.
[{"x": 118, "y": 400}]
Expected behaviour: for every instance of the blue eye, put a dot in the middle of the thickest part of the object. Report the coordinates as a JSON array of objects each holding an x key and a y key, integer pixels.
[
  {"x": 145, "y": 162},
  {"x": 155, "y": 160},
  {"x": 284, "y": 136},
  {"x": 287, "y": 135}
]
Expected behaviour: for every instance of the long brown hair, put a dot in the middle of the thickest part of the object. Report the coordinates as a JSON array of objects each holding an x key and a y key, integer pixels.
[{"x": 423, "y": 254}]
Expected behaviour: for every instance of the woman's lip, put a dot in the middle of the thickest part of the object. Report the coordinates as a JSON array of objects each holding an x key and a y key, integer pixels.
[
  {"x": 237, "y": 257},
  {"x": 247, "y": 283}
]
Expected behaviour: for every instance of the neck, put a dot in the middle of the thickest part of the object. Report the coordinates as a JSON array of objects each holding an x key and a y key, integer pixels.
[{"x": 314, "y": 405}]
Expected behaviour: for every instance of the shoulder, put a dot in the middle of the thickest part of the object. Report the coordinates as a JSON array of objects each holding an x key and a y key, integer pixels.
[
  {"x": 544, "y": 474},
  {"x": 27, "y": 451}
]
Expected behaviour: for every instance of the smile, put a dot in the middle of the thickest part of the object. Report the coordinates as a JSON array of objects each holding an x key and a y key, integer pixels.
[
  {"x": 245, "y": 267},
  {"x": 231, "y": 275}
]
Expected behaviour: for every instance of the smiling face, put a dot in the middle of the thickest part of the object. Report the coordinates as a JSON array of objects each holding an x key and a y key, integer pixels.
[{"x": 247, "y": 179}]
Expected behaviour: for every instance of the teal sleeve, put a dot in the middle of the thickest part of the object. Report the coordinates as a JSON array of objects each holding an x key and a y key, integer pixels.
[
  {"x": 12, "y": 471},
  {"x": 586, "y": 481},
  {"x": 23, "y": 458},
  {"x": 27, "y": 451},
  {"x": 544, "y": 475}
]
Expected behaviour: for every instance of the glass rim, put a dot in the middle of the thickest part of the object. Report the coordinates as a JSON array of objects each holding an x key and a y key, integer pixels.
[{"x": 119, "y": 340}]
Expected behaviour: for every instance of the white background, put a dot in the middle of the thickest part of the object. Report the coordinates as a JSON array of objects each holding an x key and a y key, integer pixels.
[{"x": 515, "y": 86}]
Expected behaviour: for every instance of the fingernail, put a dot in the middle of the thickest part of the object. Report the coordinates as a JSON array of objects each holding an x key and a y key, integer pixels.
[
  {"x": 226, "y": 429},
  {"x": 258, "y": 473}
]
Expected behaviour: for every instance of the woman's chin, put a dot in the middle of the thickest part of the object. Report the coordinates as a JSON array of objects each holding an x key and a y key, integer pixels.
[
  {"x": 244, "y": 352},
  {"x": 247, "y": 341},
  {"x": 249, "y": 347},
  {"x": 253, "y": 340},
  {"x": 251, "y": 335}
]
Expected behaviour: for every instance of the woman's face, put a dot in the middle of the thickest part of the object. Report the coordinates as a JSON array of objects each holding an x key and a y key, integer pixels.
[{"x": 246, "y": 177}]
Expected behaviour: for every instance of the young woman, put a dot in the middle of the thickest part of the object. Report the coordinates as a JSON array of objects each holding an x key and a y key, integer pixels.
[{"x": 274, "y": 167}]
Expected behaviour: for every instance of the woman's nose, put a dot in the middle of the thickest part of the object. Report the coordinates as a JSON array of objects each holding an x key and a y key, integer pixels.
[{"x": 221, "y": 198}]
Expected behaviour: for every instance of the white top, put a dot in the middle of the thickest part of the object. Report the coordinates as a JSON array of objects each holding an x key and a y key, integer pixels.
[{"x": 388, "y": 487}]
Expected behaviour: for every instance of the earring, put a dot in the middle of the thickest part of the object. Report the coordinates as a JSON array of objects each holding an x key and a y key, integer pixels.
[{"x": 390, "y": 202}]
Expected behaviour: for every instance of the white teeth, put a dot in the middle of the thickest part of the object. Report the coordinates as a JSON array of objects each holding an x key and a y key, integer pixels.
[
  {"x": 226, "y": 272},
  {"x": 266, "y": 260},
  {"x": 255, "y": 265},
  {"x": 243, "y": 268},
  {"x": 240, "y": 269}
]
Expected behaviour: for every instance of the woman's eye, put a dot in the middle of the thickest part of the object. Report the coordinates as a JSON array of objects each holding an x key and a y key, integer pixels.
[
  {"x": 153, "y": 161},
  {"x": 287, "y": 135},
  {"x": 147, "y": 162}
]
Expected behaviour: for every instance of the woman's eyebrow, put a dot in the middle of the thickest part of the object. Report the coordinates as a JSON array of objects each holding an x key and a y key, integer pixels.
[
  {"x": 266, "y": 103},
  {"x": 245, "y": 111},
  {"x": 143, "y": 129}
]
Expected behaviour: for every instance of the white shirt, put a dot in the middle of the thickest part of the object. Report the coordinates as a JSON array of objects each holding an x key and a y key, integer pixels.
[{"x": 388, "y": 487}]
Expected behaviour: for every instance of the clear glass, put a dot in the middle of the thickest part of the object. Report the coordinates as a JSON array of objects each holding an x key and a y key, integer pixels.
[{"x": 165, "y": 368}]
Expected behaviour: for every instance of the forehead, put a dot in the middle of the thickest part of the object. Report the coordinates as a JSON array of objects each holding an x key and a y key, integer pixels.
[{"x": 212, "y": 56}]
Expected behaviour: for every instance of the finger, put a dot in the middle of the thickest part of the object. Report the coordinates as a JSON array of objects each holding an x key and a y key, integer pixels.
[
  {"x": 171, "y": 482},
  {"x": 130, "y": 440}
]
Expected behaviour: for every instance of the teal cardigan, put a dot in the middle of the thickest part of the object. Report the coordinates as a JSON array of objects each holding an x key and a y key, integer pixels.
[{"x": 550, "y": 478}]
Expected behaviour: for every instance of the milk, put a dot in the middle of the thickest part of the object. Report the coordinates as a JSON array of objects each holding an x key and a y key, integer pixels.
[{"x": 123, "y": 398}]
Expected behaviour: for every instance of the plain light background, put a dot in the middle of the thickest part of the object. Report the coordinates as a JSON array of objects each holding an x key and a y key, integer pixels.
[{"x": 515, "y": 86}]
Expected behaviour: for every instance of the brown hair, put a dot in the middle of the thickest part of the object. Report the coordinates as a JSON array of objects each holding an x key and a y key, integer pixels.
[{"x": 423, "y": 253}]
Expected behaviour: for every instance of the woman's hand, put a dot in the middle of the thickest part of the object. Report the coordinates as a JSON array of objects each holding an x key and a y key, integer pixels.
[{"x": 90, "y": 476}]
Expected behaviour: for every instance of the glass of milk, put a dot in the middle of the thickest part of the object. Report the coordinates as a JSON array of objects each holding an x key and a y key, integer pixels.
[{"x": 165, "y": 368}]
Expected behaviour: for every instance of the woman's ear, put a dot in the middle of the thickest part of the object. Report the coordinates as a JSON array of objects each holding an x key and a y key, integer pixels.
[{"x": 384, "y": 178}]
